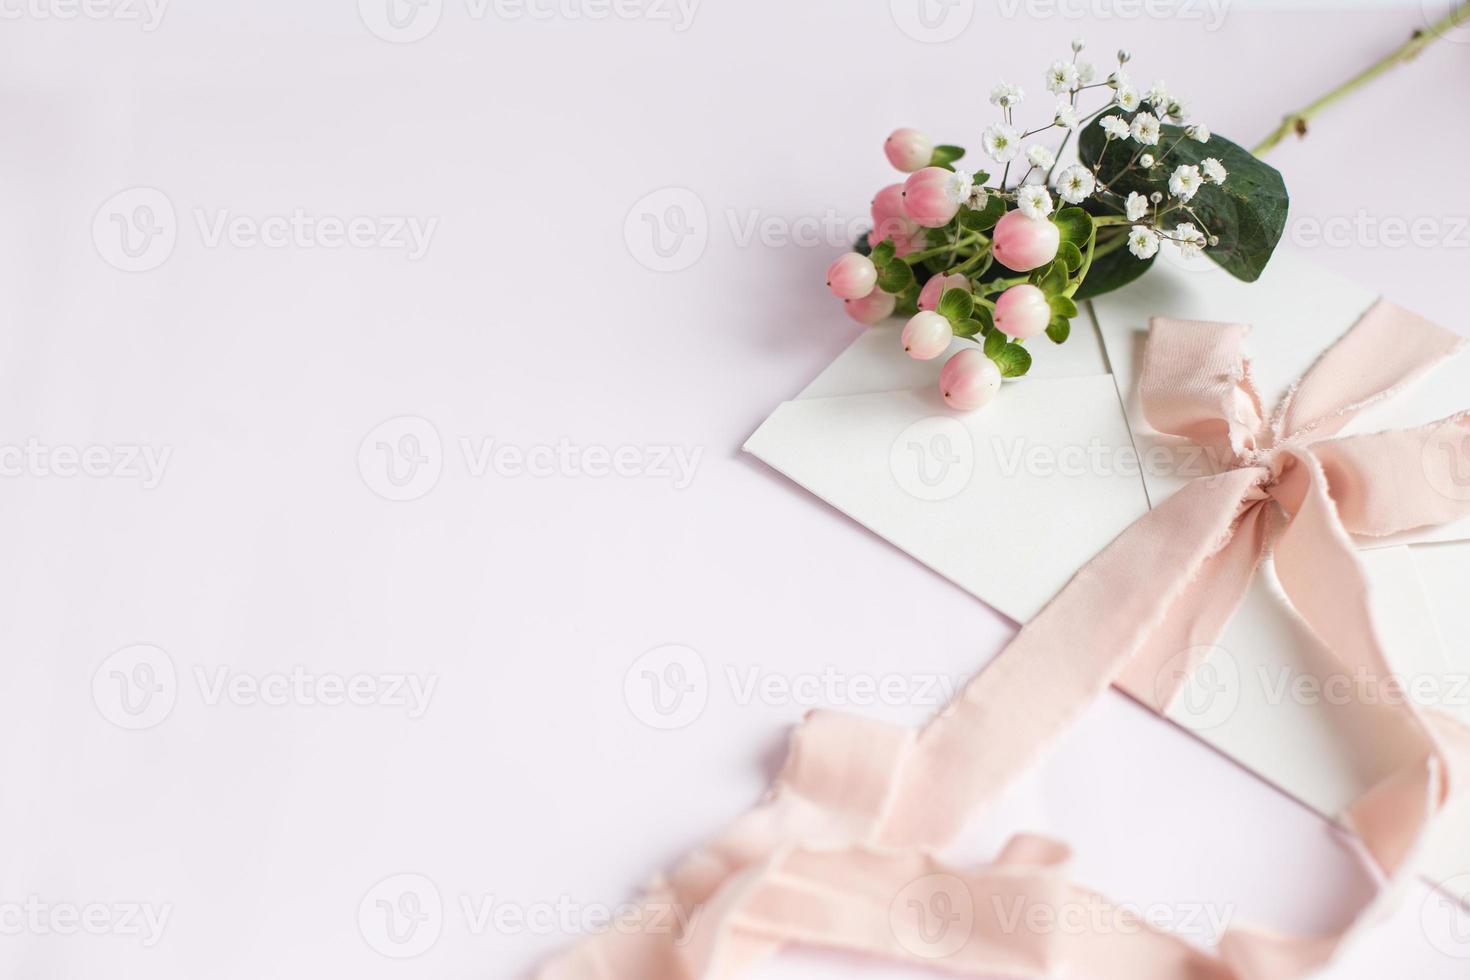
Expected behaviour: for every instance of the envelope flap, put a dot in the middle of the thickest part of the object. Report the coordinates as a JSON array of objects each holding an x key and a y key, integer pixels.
[{"x": 1008, "y": 503}]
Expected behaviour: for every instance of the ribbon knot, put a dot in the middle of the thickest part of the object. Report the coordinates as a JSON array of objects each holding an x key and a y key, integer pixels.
[{"x": 841, "y": 853}]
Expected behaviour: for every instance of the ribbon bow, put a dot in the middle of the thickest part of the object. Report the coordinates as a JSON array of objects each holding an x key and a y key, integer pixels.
[{"x": 842, "y": 852}]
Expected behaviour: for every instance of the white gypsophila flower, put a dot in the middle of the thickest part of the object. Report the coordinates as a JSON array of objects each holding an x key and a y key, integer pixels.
[
  {"x": 1040, "y": 156},
  {"x": 1118, "y": 79},
  {"x": 1001, "y": 142},
  {"x": 1145, "y": 128},
  {"x": 979, "y": 197},
  {"x": 1178, "y": 111},
  {"x": 1142, "y": 242},
  {"x": 1157, "y": 95},
  {"x": 1136, "y": 206},
  {"x": 1199, "y": 132},
  {"x": 958, "y": 185},
  {"x": 1214, "y": 170},
  {"x": 1086, "y": 72},
  {"x": 1146, "y": 161},
  {"x": 1115, "y": 126},
  {"x": 1078, "y": 43},
  {"x": 1061, "y": 77},
  {"x": 1007, "y": 96},
  {"x": 1066, "y": 115},
  {"x": 1034, "y": 201},
  {"x": 1184, "y": 181},
  {"x": 1076, "y": 184},
  {"x": 1189, "y": 239},
  {"x": 1128, "y": 98}
]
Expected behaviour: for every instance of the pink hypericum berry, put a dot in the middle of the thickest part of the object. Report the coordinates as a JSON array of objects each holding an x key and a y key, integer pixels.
[
  {"x": 926, "y": 198},
  {"x": 909, "y": 150},
  {"x": 873, "y": 308},
  {"x": 852, "y": 277},
  {"x": 926, "y": 335},
  {"x": 890, "y": 220},
  {"x": 937, "y": 286},
  {"x": 1022, "y": 311},
  {"x": 1023, "y": 243},
  {"x": 969, "y": 380}
]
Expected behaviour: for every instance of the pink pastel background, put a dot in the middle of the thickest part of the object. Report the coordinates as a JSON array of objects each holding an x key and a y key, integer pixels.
[{"x": 531, "y": 320}]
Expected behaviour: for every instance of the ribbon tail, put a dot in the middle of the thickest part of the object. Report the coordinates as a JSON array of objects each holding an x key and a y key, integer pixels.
[{"x": 1060, "y": 662}]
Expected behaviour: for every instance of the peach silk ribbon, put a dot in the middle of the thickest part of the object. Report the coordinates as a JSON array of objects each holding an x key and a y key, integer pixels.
[{"x": 843, "y": 848}]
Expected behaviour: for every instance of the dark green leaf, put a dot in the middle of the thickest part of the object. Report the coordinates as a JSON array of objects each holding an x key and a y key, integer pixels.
[
  {"x": 1112, "y": 271},
  {"x": 968, "y": 328},
  {"x": 883, "y": 253},
  {"x": 1248, "y": 212},
  {"x": 986, "y": 318},
  {"x": 956, "y": 305},
  {"x": 1013, "y": 360}
]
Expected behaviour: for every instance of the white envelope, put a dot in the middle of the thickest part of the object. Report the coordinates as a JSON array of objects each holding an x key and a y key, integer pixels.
[{"x": 871, "y": 436}]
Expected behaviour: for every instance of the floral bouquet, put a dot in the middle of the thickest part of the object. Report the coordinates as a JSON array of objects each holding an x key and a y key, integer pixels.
[{"x": 1002, "y": 263}]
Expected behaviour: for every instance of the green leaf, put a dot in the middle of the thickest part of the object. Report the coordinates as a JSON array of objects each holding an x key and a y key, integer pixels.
[
  {"x": 1075, "y": 225},
  {"x": 884, "y": 252},
  {"x": 908, "y": 301},
  {"x": 1059, "y": 329},
  {"x": 1248, "y": 212},
  {"x": 1013, "y": 360},
  {"x": 946, "y": 155},
  {"x": 968, "y": 328},
  {"x": 895, "y": 277},
  {"x": 1053, "y": 279},
  {"x": 995, "y": 342},
  {"x": 986, "y": 318},
  {"x": 1062, "y": 306},
  {"x": 1071, "y": 255},
  {"x": 956, "y": 305},
  {"x": 986, "y": 217}
]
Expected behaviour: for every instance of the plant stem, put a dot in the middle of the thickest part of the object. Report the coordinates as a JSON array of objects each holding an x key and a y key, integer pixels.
[{"x": 1297, "y": 121}]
